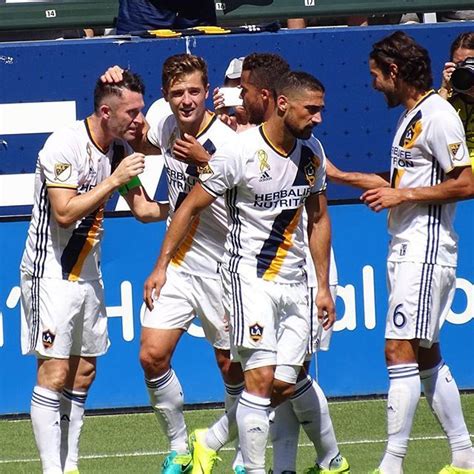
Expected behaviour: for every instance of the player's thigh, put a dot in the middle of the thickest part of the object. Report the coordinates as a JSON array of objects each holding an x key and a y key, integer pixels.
[
  {"x": 419, "y": 299},
  {"x": 207, "y": 301},
  {"x": 159, "y": 344},
  {"x": 90, "y": 336},
  {"x": 252, "y": 311},
  {"x": 50, "y": 307},
  {"x": 174, "y": 307}
]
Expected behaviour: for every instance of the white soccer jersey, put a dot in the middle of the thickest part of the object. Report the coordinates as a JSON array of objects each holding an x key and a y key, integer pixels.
[
  {"x": 428, "y": 144},
  {"x": 265, "y": 192},
  {"x": 69, "y": 159},
  {"x": 202, "y": 250}
]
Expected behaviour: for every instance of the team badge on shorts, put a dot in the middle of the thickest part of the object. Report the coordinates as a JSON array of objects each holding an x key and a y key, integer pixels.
[
  {"x": 256, "y": 332},
  {"x": 48, "y": 339}
]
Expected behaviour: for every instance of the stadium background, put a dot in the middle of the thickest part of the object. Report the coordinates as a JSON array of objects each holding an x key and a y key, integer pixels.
[{"x": 46, "y": 84}]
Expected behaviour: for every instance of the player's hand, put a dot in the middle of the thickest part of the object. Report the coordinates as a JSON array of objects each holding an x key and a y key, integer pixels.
[
  {"x": 326, "y": 308},
  {"x": 130, "y": 166},
  {"x": 217, "y": 99},
  {"x": 113, "y": 75},
  {"x": 152, "y": 288},
  {"x": 189, "y": 150},
  {"x": 229, "y": 120},
  {"x": 382, "y": 198},
  {"x": 448, "y": 70}
]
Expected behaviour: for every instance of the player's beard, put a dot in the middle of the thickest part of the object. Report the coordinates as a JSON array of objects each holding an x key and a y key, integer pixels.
[
  {"x": 301, "y": 133},
  {"x": 392, "y": 99}
]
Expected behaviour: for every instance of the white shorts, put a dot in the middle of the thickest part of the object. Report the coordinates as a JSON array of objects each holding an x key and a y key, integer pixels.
[
  {"x": 319, "y": 338},
  {"x": 185, "y": 296},
  {"x": 61, "y": 318},
  {"x": 420, "y": 296},
  {"x": 266, "y": 316}
]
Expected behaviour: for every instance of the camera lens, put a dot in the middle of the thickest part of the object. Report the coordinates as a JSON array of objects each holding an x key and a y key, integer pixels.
[{"x": 462, "y": 79}]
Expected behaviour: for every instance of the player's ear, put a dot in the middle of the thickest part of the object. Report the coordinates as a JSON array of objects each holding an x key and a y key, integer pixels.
[
  {"x": 393, "y": 70},
  {"x": 282, "y": 103},
  {"x": 207, "y": 90},
  {"x": 105, "y": 111}
]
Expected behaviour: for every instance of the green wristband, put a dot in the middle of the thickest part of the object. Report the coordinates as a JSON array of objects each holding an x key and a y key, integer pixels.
[{"x": 133, "y": 183}]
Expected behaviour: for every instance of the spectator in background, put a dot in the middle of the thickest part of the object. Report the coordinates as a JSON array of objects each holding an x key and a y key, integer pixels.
[
  {"x": 136, "y": 15},
  {"x": 463, "y": 101}
]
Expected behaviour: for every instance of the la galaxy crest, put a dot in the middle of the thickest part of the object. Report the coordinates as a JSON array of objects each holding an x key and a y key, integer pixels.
[
  {"x": 310, "y": 169},
  {"x": 256, "y": 332},
  {"x": 48, "y": 339}
]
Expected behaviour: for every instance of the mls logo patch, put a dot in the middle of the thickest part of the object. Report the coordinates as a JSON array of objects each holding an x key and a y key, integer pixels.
[
  {"x": 62, "y": 171},
  {"x": 256, "y": 332},
  {"x": 48, "y": 339},
  {"x": 205, "y": 172},
  {"x": 454, "y": 148}
]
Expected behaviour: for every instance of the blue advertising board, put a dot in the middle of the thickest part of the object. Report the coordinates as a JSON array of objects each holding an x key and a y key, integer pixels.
[{"x": 45, "y": 84}]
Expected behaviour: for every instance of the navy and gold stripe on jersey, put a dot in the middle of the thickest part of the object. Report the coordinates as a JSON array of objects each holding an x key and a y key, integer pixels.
[
  {"x": 276, "y": 246},
  {"x": 82, "y": 241}
]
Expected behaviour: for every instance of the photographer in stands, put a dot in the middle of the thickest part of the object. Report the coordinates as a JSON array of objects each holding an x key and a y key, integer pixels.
[{"x": 458, "y": 84}]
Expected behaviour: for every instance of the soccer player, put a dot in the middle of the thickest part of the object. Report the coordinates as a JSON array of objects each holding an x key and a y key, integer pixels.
[
  {"x": 430, "y": 170},
  {"x": 193, "y": 285},
  {"x": 308, "y": 405},
  {"x": 65, "y": 322},
  {"x": 268, "y": 176}
]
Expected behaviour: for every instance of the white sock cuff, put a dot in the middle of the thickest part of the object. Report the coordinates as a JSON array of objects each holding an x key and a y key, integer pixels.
[
  {"x": 402, "y": 371},
  {"x": 77, "y": 397},
  {"x": 254, "y": 401},
  {"x": 160, "y": 382},
  {"x": 426, "y": 374},
  {"x": 45, "y": 398},
  {"x": 234, "y": 390}
]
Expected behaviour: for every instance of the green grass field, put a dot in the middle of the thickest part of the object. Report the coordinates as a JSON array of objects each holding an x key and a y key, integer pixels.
[{"x": 133, "y": 443}]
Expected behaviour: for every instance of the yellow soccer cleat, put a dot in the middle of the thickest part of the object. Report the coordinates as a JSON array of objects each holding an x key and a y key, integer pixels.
[
  {"x": 341, "y": 467},
  {"x": 204, "y": 458},
  {"x": 455, "y": 470}
]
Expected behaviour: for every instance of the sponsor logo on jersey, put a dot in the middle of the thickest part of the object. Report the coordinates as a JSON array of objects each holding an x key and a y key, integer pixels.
[
  {"x": 256, "y": 332},
  {"x": 62, "y": 171},
  {"x": 48, "y": 339},
  {"x": 454, "y": 148},
  {"x": 265, "y": 177}
]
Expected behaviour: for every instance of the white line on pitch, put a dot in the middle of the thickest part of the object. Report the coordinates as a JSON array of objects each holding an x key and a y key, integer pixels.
[{"x": 161, "y": 453}]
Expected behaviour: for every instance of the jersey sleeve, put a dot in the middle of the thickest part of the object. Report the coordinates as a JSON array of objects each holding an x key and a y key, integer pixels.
[
  {"x": 59, "y": 162},
  {"x": 320, "y": 182},
  {"x": 156, "y": 116},
  {"x": 447, "y": 141},
  {"x": 224, "y": 171}
]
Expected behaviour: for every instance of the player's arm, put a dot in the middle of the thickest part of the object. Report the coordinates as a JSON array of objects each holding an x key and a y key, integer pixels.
[
  {"x": 67, "y": 206},
  {"x": 319, "y": 241},
  {"x": 356, "y": 179},
  {"x": 458, "y": 186},
  {"x": 143, "y": 207},
  {"x": 197, "y": 200}
]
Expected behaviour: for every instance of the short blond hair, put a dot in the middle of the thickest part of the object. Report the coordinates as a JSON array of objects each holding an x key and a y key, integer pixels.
[{"x": 179, "y": 65}]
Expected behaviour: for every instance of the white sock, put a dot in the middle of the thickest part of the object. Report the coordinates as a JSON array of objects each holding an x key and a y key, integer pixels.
[
  {"x": 166, "y": 398},
  {"x": 284, "y": 433},
  {"x": 72, "y": 418},
  {"x": 443, "y": 397},
  {"x": 46, "y": 428},
  {"x": 232, "y": 394},
  {"x": 223, "y": 431},
  {"x": 311, "y": 409},
  {"x": 403, "y": 396},
  {"x": 252, "y": 421}
]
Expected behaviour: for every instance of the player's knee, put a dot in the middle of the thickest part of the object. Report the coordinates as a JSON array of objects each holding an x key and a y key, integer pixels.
[
  {"x": 154, "y": 361},
  {"x": 54, "y": 378}
]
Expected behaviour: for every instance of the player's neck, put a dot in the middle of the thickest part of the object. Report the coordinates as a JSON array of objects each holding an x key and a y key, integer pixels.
[
  {"x": 99, "y": 133},
  {"x": 278, "y": 135},
  {"x": 196, "y": 128},
  {"x": 413, "y": 96}
]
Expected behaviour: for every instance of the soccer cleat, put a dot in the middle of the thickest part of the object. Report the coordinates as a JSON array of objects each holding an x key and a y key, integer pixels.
[
  {"x": 455, "y": 470},
  {"x": 239, "y": 470},
  {"x": 341, "y": 467},
  {"x": 176, "y": 463},
  {"x": 204, "y": 458}
]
